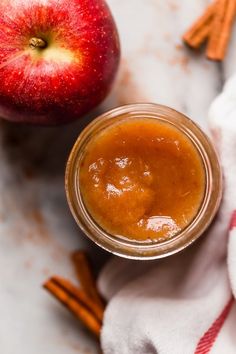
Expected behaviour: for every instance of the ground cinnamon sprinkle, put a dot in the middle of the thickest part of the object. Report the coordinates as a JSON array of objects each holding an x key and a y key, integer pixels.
[{"x": 214, "y": 26}]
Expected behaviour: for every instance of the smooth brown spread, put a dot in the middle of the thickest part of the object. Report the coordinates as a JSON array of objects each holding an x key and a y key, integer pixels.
[{"x": 142, "y": 179}]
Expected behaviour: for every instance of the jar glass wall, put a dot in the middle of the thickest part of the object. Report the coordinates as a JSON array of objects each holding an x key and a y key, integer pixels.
[{"x": 132, "y": 248}]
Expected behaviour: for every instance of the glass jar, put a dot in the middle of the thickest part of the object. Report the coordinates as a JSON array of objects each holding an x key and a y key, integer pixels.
[{"x": 134, "y": 249}]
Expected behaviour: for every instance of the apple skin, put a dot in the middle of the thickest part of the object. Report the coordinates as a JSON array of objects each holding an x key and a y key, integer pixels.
[{"x": 71, "y": 75}]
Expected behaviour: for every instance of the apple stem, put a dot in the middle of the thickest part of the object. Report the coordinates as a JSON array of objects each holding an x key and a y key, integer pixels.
[{"x": 35, "y": 43}]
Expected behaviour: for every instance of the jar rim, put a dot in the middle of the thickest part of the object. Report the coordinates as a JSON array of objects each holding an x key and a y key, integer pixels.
[{"x": 135, "y": 249}]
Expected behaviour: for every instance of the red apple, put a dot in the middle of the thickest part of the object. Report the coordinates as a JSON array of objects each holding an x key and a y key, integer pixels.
[{"x": 58, "y": 58}]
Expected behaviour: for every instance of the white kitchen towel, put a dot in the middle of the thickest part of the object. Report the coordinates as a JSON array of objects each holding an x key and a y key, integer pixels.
[{"x": 183, "y": 304}]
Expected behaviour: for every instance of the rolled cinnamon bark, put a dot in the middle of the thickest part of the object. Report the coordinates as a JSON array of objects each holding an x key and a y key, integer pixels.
[
  {"x": 221, "y": 29},
  {"x": 198, "y": 33},
  {"x": 76, "y": 302}
]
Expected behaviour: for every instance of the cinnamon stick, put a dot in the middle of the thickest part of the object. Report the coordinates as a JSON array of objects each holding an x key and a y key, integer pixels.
[
  {"x": 85, "y": 276},
  {"x": 221, "y": 29},
  {"x": 198, "y": 33},
  {"x": 72, "y": 299},
  {"x": 80, "y": 296}
]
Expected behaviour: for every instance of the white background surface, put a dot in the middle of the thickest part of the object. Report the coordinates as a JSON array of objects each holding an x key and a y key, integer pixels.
[{"x": 37, "y": 231}]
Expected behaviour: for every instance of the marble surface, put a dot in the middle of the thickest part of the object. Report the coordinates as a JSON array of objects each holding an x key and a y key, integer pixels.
[{"x": 37, "y": 232}]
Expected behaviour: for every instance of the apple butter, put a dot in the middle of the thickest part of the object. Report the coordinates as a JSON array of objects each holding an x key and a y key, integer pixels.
[{"x": 142, "y": 179}]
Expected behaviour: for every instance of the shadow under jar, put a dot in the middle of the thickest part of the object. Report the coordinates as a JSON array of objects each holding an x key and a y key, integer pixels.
[{"x": 143, "y": 181}]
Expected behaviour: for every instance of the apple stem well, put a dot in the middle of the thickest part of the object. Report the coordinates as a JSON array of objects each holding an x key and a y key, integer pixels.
[{"x": 35, "y": 43}]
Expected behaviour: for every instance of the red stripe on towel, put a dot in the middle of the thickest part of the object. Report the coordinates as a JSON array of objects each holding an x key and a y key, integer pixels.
[
  {"x": 233, "y": 220},
  {"x": 206, "y": 342}
]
